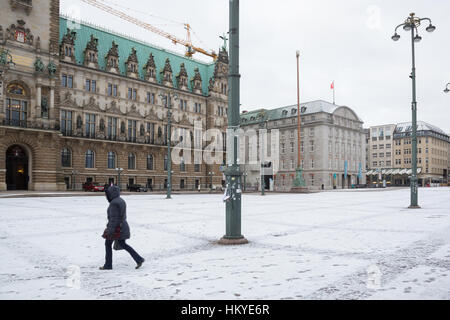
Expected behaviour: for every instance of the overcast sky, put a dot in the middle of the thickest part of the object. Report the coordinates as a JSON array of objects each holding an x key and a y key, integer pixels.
[{"x": 345, "y": 41}]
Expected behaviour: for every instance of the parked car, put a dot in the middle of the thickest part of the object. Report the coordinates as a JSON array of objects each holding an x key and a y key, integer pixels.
[
  {"x": 93, "y": 186},
  {"x": 137, "y": 188}
]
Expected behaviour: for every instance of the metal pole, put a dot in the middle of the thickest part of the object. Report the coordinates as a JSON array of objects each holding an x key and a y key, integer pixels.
[
  {"x": 262, "y": 161},
  {"x": 298, "y": 181},
  {"x": 169, "y": 142},
  {"x": 233, "y": 173},
  {"x": 413, "y": 182}
]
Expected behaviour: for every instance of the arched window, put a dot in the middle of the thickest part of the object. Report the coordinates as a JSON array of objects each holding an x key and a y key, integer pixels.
[
  {"x": 16, "y": 105},
  {"x": 150, "y": 162},
  {"x": 131, "y": 161},
  {"x": 90, "y": 159},
  {"x": 66, "y": 158},
  {"x": 111, "y": 160}
]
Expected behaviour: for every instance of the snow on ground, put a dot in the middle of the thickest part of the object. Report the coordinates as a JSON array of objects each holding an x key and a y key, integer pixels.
[{"x": 329, "y": 245}]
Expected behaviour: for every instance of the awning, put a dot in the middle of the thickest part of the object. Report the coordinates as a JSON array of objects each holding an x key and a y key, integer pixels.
[
  {"x": 402, "y": 171},
  {"x": 368, "y": 173},
  {"x": 419, "y": 170},
  {"x": 408, "y": 172},
  {"x": 388, "y": 171},
  {"x": 395, "y": 171}
]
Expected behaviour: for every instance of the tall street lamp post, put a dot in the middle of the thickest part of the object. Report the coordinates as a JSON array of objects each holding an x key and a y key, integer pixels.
[
  {"x": 74, "y": 174},
  {"x": 446, "y": 90},
  {"x": 411, "y": 24},
  {"x": 211, "y": 174},
  {"x": 168, "y": 99},
  {"x": 119, "y": 171},
  {"x": 233, "y": 174},
  {"x": 262, "y": 115},
  {"x": 298, "y": 182}
]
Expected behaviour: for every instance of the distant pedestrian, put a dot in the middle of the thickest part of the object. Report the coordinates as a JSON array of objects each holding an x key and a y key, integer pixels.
[
  {"x": 117, "y": 228},
  {"x": 199, "y": 187}
]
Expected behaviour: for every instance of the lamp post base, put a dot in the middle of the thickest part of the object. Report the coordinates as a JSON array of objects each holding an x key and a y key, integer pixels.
[
  {"x": 295, "y": 189},
  {"x": 232, "y": 241},
  {"x": 414, "y": 207}
]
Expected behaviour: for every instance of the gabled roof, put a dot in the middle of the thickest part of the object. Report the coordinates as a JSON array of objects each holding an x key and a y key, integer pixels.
[{"x": 125, "y": 45}]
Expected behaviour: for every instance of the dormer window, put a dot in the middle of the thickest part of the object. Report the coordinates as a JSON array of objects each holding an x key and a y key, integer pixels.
[
  {"x": 150, "y": 67},
  {"x": 132, "y": 64},
  {"x": 196, "y": 81},
  {"x": 112, "y": 58},
  {"x": 91, "y": 53},
  {"x": 293, "y": 111},
  {"x": 166, "y": 73},
  {"x": 182, "y": 77},
  {"x": 68, "y": 46}
]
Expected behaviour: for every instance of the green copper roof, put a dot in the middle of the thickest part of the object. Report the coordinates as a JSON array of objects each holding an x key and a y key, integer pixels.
[{"x": 125, "y": 44}]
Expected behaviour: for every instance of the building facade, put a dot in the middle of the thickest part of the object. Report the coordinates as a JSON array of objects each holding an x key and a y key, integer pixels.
[
  {"x": 432, "y": 155},
  {"x": 332, "y": 146},
  {"x": 78, "y": 101}
]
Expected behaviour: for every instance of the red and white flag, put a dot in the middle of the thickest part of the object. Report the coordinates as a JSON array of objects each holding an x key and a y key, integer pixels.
[{"x": 332, "y": 86}]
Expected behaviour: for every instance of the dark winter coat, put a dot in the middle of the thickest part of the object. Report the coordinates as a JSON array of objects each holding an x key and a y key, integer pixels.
[{"x": 117, "y": 214}]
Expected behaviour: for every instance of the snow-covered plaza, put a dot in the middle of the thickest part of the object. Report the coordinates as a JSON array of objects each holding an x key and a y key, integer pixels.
[{"x": 353, "y": 244}]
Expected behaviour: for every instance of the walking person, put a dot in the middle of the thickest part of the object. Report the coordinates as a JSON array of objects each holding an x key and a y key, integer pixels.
[{"x": 117, "y": 228}]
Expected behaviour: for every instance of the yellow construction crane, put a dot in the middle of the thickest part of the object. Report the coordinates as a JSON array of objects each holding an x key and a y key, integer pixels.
[{"x": 190, "y": 49}]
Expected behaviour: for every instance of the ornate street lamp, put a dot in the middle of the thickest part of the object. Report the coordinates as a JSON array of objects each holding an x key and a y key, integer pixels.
[
  {"x": 411, "y": 24},
  {"x": 233, "y": 174},
  {"x": 298, "y": 183},
  {"x": 446, "y": 90},
  {"x": 262, "y": 124},
  {"x": 168, "y": 99}
]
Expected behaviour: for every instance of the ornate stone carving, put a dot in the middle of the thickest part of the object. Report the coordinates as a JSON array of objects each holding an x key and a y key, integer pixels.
[
  {"x": 182, "y": 77},
  {"x": 113, "y": 108},
  {"x": 166, "y": 73},
  {"x": 122, "y": 127},
  {"x": 19, "y": 33},
  {"x": 91, "y": 53},
  {"x": 92, "y": 105},
  {"x": 134, "y": 112},
  {"x": 223, "y": 56},
  {"x": 196, "y": 81},
  {"x": 112, "y": 58},
  {"x": 67, "y": 47},
  {"x": 51, "y": 68},
  {"x": 39, "y": 65},
  {"x": 92, "y": 44},
  {"x": 68, "y": 101},
  {"x": 150, "y": 67},
  {"x": 141, "y": 130},
  {"x": 69, "y": 37},
  {"x": 132, "y": 64},
  {"x": 151, "y": 115},
  {"x": 185, "y": 120}
]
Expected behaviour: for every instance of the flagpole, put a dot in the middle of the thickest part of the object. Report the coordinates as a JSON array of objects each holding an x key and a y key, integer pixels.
[{"x": 333, "y": 93}]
